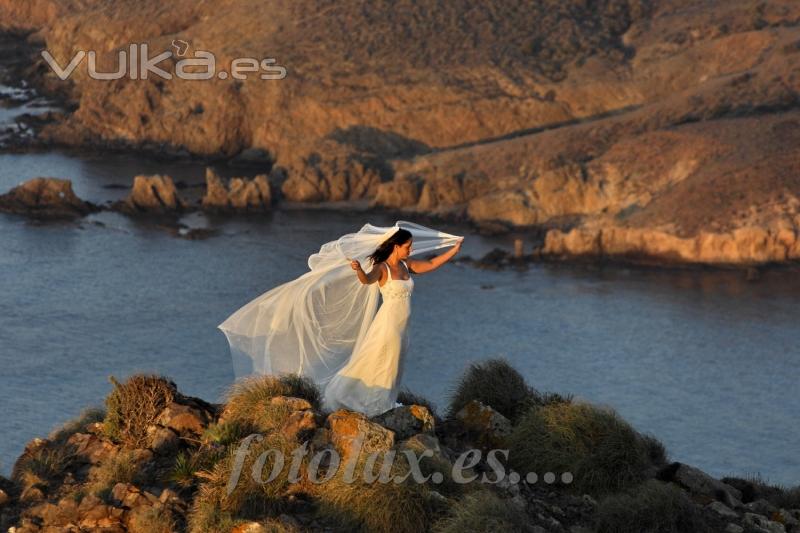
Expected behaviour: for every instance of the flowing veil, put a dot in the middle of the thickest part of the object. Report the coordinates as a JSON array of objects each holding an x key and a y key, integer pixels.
[{"x": 312, "y": 324}]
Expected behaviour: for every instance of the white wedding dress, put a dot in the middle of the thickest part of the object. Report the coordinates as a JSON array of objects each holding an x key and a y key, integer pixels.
[
  {"x": 369, "y": 382},
  {"x": 328, "y": 326}
]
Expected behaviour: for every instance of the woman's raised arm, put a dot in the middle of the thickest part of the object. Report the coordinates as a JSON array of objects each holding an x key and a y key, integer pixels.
[{"x": 421, "y": 266}]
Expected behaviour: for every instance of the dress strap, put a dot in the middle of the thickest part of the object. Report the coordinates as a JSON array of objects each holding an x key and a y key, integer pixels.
[{"x": 389, "y": 270}]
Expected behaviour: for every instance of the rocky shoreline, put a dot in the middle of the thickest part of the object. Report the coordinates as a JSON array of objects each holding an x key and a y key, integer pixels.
[
  {"x": 154, "y": 460},
  {"x": 670, "y": 139},
  {"x": 159, "y": 198}
]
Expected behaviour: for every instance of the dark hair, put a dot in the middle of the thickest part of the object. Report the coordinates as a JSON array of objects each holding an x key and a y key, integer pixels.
[{"x": 386, "y": 248}]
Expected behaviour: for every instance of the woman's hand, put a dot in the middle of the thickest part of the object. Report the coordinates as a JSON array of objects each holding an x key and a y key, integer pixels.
[{"x": 355, "y": 265}]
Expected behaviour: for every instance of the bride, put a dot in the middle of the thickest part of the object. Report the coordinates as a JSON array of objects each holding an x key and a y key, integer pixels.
[{"x": 326, "y": 324}]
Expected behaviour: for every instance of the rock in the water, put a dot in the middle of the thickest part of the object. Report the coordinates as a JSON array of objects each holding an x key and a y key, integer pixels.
[
  {"x": 45, "y": 198},
  {"x": 152, "y": 194},
  {"x": 242, "y": 194},
  {"x": 406, "y": 420}
]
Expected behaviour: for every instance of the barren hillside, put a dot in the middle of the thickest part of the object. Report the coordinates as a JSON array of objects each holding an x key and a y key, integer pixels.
[{"x": 633, "y": 121}]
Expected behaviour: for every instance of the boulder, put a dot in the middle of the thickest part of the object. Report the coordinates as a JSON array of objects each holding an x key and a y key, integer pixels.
[
  {"x": 700, "y": 484},
  {"x": 45, "y": 198},
  {"x": 299, "y": 425},
  {"x": 761, "y": 524},
  {"x": 184, "y": 418},
  {"x": 485, "y": 425},
  {"x": 91, "y": 448},
  {"x": 424, "y": 441},
  {"x": 761, "y": 506},
  {"x": 723, "y": 510},
  {"x": 241, "y": 194},
  {"x": 406, "y": 420},
  {"x": 348, "y": 427},
  {"x": 152, "y": 194},
  {"x": 162, "y": 440},
  {"x": 128, "y": 495}
]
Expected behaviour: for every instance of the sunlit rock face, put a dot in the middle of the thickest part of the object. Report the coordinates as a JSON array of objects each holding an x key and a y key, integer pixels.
[{"x": 672, "y": 117}]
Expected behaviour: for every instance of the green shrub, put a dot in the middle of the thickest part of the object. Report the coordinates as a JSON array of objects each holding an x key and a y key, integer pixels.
[
  {"x": 495, "y": 383},
  {"x": 134, "y": 405},
  {"x": 226, "y": 433},
  {"x": 188, "y": 463},
  {"x": 481, "y": 510},
  {"x": 653, "y": 506},
  {"x": 603, "y": 453}
]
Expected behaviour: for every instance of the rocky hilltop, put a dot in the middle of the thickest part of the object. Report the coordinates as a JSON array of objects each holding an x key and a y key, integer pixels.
[
  {"x": 648, "y": 129},
  {"x": 503, "y": 457}
]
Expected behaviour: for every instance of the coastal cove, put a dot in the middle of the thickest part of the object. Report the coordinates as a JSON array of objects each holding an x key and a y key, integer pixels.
[
  {"x": 598, "y": 207},
  {"x": 703, "y": 360}
]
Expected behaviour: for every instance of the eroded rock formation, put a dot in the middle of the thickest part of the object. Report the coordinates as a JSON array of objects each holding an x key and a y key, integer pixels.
[{"x": 45, "y": 198}]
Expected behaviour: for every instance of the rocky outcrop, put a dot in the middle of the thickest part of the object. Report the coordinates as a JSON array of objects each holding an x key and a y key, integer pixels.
[
  {"x": 331, "y": 179},
  {"x": 676, "y": 118},
  {"x": 45, "y": 198},
  {"x": 152, "y": 194},
  {"x": 241, "y": 194},
  {"x": 80, "y": 478},
  {"x": 407, "y": 420},
  {"x": 353, "y": 433},
  {"x": 742, "y": 246},
  {"x": 485, "y": 426}
]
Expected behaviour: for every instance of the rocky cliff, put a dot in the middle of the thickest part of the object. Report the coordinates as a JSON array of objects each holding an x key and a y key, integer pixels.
[{"x": 631, "y": 128}]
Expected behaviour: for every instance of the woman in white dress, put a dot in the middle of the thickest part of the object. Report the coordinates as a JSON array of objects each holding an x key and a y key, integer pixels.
[
  {"x": 327, "y": 324},
  {"x": 369, "y": 382}
]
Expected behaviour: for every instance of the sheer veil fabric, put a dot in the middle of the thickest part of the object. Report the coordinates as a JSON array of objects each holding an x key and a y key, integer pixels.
[{"x": 311, "y": 325}]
